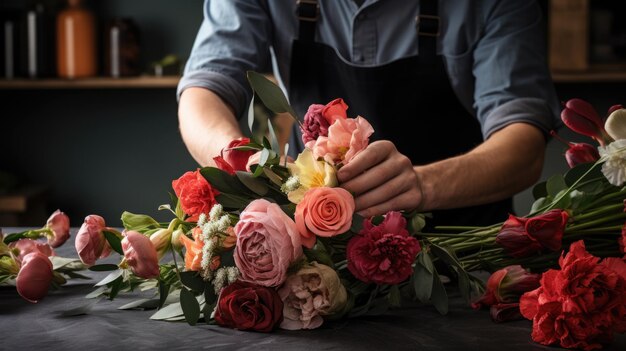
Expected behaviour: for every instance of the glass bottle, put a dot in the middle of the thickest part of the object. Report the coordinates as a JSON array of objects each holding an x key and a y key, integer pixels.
[
  {"x": 76, "y": 41},
  {"x": 9, "y": 43},
  {"x": 122, "y": 48},
  {"x": 37, "y": 52}
]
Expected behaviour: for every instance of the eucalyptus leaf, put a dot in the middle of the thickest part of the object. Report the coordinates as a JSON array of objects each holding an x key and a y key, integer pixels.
[
  {"x": 422, "y": 277},
  {"x": 223, "y": 181},
  {"x": 265, "y": 155},
  {"x": 539, "y": 204},
  {"x": 173, "y": 310},
  {"x": 539, "y": 190},
  {"x": 270, "y": 94},
  {"x": 210, "y": 297},
  {"x": 230, "y": 201},
  {"x": 271, "y": 175},
  {"x": 192, "y": 280},
  {"x": 578, "y": 171},
  {"x": 59, "y": 262},
  {"x": 141, "y": 304},
  {"x": 255, "y": 184},
  {"x": 555, "y": 185},
  {"x": 251, "y": 116},
  {"x": 116, "y": 287},
  {"x": 190, "y": 306},
  {"x": 273, "y": 138},
  {"x": 439, "y": 297},
  {"x": 164, "y": 290},
  {"x": 98, "y": 292},
  {"x": 110, "y": 278},
  {"x": 114, "y": 241}
]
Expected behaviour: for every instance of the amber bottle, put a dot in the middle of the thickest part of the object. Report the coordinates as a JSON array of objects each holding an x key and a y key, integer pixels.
[{"x": 76, "y": 41}]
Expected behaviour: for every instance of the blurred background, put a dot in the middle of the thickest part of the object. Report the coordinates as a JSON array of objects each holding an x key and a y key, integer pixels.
[{"x": 88, "y": 118}]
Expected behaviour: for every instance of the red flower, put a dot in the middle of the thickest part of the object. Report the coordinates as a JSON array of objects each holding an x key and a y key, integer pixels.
[
  {"x": 334, "y": 110},
  {"x": 195, "y": 194},
  {"x": 522, "y": 237},
  {"x": 622, "y": 241},
  {"x": 579, "y": 153},
  {"x": 235, "y": 158},
  {"x": 314, "y": 124},
  {"x": 505, "y": 286},
  {"x": 581, "y": 305},
  {"x": 383, "y": 254},
  {"x": 221, "y": 163},
  {"x": 247, "y": 306},
  {"x": 34, "y": 277}
]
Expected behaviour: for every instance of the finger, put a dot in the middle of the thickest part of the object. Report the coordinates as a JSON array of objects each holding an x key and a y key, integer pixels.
[
  {"x": 372, "y": 178},
  {"x": 388, "y": 192},
  {"x": 402, "y": 201},
  {"x": 370, "y": 156}
]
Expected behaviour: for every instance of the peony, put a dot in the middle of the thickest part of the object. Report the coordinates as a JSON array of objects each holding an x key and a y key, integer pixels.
[
  {"x": 324, "y": 212},
  {"x": 522, "y": 237},
  {"x": 383, "y": 254},
  {"x": 195, "y": 194},
  {"x": 311, "y": 173},
  {"x": 346, "y": 138},
  {"x": 26, "y": 246},
  {"x": 140, "y": 255},
  {"x": 34, "y": 277},
  {"x": 246, "y": 306},
  {"x": 90, "y": 242},
  {"x": 314, "y": 291},
  {"x": 614, "y": 166},
  {"x": 267, "y": 243},
  {"x": 582, "y": 304},
  {"x": 59, "y": 225},
  {"x": 314, "y": 125}
]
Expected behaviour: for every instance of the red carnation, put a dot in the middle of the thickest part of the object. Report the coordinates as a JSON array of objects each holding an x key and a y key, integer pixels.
[
  {"x": 522, "y": 237},
  {"x": 581, "y": 305},
  {"x": 247, "y": 306},
  {"x": 383, "y": 254},
  {"x": 195, "y": 194}
]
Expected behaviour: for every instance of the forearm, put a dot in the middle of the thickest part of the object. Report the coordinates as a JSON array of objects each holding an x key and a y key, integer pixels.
[
  {"x": 207, "y": 124},
  {"x": 508, "y": 162}
]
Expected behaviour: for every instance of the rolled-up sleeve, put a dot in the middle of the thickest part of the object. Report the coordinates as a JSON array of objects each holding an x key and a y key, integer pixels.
[
  {"x": 513, "y": 82},
  {"x": 234, "y": 37}
]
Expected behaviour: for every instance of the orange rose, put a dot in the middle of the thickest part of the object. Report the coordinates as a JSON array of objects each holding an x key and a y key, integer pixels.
[{"x": 325, "y": 212}]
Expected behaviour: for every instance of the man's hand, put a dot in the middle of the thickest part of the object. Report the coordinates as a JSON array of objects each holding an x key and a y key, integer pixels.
[{"x": 381, "y": 179}]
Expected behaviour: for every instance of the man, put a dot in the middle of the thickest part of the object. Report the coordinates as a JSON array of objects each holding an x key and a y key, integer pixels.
[{"x": 458, "y": 92}]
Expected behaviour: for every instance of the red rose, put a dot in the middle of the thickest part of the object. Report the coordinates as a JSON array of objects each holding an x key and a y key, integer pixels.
[
  {"x": 581, "y": 305},
  {"x": 247, "y": 306},
  {"x": 221, "y": 163},
  {"x": 522, "y": 237},
  {"x": 334, "y": 110},
  {"x": 195, "y": 194},
  {"x": 505, "y": 286},
  {"x": 383, "y": 254},
  {"x": 237, "y": 159}
]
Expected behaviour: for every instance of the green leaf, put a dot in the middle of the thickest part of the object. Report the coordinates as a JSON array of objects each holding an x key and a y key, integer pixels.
[
  {"x": 439, "y": 297},
  {"x": 64, "y": 262},
  {"x": 138, "y": 222},
  {"x": 272, "y": 176},
  {"x": 423, "y": 277},
  {"x": 190, "y": 306},
  {"x": 273, "y": 138},
  {"x": 416, "y": 223},
  {"x": 222, "y": 181},
  {"x": 555, "y": 185},
  {"x": 539, "y": 204},
  {"x": 450, "y": 258},
  {"x": 15, "y": 237},
  {"x": 170, "y": 311},
  {"x": 164, "y": 290},
  {"x": 265, "y": 155},
  {"x": 98, "y": 292},
  {"x": 251, "y": 117},
  {"x": 103, "y": 267},
  {"x": 319, "y": 254},
  {"x": 252, "y": 183},
  {"x": 116, "y": 287},
  {"x": 141, "y": 304},
  {"x": 111, "y": 277},
  {"x": 114, "y": 241},
  {"x": 357, "y": 223},
  {"x": 192, "y": 280},
  {"x": 230, "y": 201},
  {"x": 394, "y": 296},
  {"x": 539, "y": 190},
  {"x": 572, "y": 175},
  {"x": 210, "y": 297},
  {"x": 270, "y": 94}
]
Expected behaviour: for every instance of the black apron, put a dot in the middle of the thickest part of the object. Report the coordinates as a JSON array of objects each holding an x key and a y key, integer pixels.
[{"x": 390, "y": 96}]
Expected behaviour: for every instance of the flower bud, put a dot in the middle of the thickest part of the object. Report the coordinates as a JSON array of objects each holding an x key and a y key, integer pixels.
[
  {"x": 579, "y": 153},
  {"x": 522, "y": 237},
  {"x": 506, "y": 286},
  {"x": 34, "y": 277},
  {"x": 615, "y": 124},
  {"x": 90, "y": 241},
  {"x": 582, "y": 118},
  {"x": 175, "y": 240},
  {"x": 23, "y": 247},
  {"x": 161, "y": 239},
  {"x": 140, "y": 255},
  {"x": 59, "y": 226}
]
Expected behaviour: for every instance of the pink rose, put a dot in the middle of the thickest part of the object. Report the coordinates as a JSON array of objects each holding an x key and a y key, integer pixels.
[
  {"x": 90, "y": 242},
  {"x": 324, "y": 211},
  {"x": 34, "y": 277},
  {"x": 346, "y": 138},
  {"x": 59, "y": 225},
  {"x": 383, "y": 254},
  {"x": 267, "y": 243},
  {"x": 27, "y": 246},
  {"x": 140, "y": 254}
]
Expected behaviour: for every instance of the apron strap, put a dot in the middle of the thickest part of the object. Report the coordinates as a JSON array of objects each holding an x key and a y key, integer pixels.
[
  {"x": 307, "y": 11},
  {"x": 428, "y": 25}
]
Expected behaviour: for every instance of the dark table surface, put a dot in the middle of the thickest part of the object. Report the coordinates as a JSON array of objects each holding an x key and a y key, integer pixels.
[{"x": 42, "y": 326}]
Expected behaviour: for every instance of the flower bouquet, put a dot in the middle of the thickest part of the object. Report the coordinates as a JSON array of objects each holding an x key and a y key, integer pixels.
[{"x": 263, "y": 242}]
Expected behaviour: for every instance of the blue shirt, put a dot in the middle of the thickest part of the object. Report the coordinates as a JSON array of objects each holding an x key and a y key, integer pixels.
[{"x": 494, "y": 51}]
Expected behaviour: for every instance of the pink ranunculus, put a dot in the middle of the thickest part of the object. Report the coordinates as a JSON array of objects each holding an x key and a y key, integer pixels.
[
  {"x": 140, "y": 254},
  {"x": 267, "y": 243},
  {"x": 237, "y": 159},
  {"x": 59, "y": 224},
  {"x": 34, "y": 277},
  {"x": 346, "y": 138},
  {"x": 384, "y": 253},
  {"x": 27, "y": 246},
  {"x": 324, "y": 211},
  {"x": 90, "y": 241},
  {"x": 314, "y": 124}
]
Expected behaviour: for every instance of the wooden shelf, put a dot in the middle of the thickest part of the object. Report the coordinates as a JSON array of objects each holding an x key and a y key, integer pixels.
[
  {"x": 595, "y": 74},
  {"x": 92, "y": 83}
]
